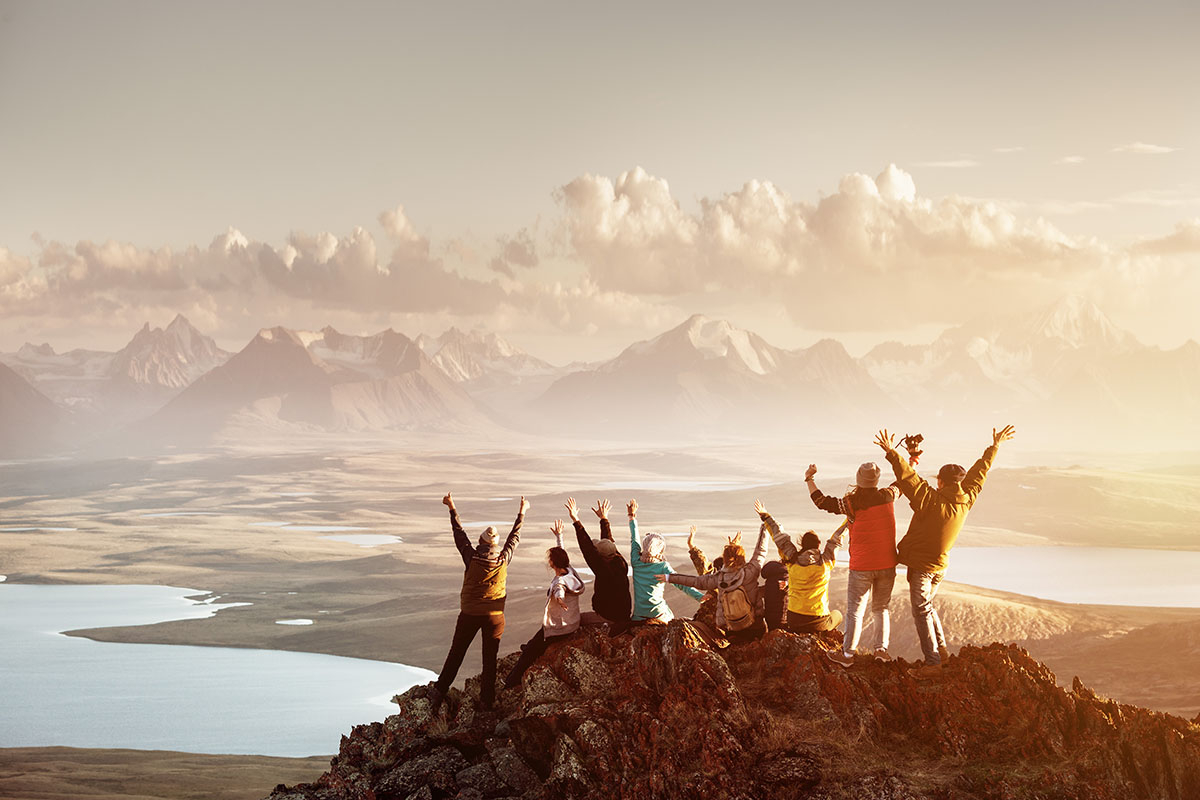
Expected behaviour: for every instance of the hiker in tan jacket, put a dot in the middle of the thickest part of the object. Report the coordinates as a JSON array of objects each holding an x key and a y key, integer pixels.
[{"x": 938, "y": 517}]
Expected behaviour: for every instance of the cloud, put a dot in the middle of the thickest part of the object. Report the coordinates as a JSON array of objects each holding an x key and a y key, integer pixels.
[
  {"x": 1142, "y": 148},
  {"x": 1070, "y": 160},
  {"x": 1016, "y": 149},
  {"x": 1184, "y": 239},
  {"x": 518, "y": 250},
  {"x": 958, "y": 163},
  {"x": 864, "y": 256}
]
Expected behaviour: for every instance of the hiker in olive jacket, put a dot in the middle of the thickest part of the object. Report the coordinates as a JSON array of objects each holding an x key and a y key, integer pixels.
[
  {"x": 481, "y": 602},
  {"x": 610, "y": 593},
  {"x": 735, "y": 575},
  {"x": 938, "y": 517}
]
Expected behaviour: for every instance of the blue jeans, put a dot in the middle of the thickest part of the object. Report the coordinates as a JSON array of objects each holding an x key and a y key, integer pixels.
[
  {"x": 922, "y": 586},
  {"x": 878, "y": 584}
]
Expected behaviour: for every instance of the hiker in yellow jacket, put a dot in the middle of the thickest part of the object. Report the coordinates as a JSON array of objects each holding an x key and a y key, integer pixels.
[{"x": 809, "y": 568}]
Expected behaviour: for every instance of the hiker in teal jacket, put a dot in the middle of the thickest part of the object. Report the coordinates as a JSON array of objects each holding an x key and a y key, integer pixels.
[{"x": 648, "y": 559}]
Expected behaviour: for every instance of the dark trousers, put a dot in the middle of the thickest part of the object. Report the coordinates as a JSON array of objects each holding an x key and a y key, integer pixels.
[
  {"x": 755, "y": 631},
  {"x": 492, "y": 628},
  {"x": 531, "y": 651}
]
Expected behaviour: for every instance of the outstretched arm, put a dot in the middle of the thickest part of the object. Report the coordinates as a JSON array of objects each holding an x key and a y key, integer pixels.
[
  {"x": 977, "y": 474},
  {"x": 460, "y": 536},
  {"x": 829, "y": 554},
  {"x": 586, "y": 545},
  {"x": 601, "y": 511},
  {"x": 787, "y": 547},
  {"x": 760, "y": 547},
  {"x": 831, "y": 504},
  {"x": 699, "y": 560},
  {"x": 691, "y": 591},
  {"x": 911, "y": 485},
  {"x": 706, "y": 582},
  {"x": 514, "y": 536},
  {"x": 635, "y": 542}
]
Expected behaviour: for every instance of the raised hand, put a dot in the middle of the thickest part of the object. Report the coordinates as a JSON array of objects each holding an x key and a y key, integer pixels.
[
  {"x": 759, "y": 508},
  {"x": 524, "y": 505},
  {"x": 448, "y": 500},
  {"x": 691, "y": 537},
  {"x": 808, "y": 473},
  {"x": 573, "y": 509},
  {"x": 557, "y": 528},
  {"x": 631, "y": 508},
  {"x": 601, "y": 509},
  {"x": 885, "y": 440},
  {"x": 1004, "y": 435},
  {"x": 736, "y": 538}
]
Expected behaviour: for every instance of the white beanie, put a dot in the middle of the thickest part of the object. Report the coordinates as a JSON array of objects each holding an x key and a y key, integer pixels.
[{"x": 868, "y": 475}]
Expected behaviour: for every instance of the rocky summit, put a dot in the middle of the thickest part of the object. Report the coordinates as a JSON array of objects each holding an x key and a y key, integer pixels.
[{"x": 661, "y": 714}]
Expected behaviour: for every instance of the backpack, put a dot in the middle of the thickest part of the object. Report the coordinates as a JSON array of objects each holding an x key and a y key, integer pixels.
[{"x": 735, "y": 604}]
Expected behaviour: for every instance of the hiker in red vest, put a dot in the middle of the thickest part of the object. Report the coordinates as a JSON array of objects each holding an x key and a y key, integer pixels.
[{"x": 872, "y": 516}]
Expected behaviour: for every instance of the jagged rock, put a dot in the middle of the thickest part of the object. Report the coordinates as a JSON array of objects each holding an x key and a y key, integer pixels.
[{"x": 659, "y": 714}]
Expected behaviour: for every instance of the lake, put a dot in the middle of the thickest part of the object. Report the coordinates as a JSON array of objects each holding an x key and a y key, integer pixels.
[
  {"x": 1096, "y": 575},
  {"x": 66, "y": 690}
]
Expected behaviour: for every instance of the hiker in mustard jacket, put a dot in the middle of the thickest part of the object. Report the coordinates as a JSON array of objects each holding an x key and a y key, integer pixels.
[
  {"x": 809, "y": 568},
  {"x": 938, "y": 517},
  {"x": 481, "y": 602}
]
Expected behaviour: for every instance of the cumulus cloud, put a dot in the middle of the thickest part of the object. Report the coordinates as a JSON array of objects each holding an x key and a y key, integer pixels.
[
  {"x": 1184, "y": 239},
  {"x": 518, "y": 250},
  {"x": 1142, "y": 148},
  {"x": 1070, "y": 161},
  {"x": 860, "y": 257}
]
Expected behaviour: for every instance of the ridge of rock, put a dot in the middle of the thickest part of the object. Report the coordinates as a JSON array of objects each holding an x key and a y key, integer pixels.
[{"x": 660, "y": 714}]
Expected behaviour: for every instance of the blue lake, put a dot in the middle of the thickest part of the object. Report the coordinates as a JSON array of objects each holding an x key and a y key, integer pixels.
[{"x": 66, "y": 690}]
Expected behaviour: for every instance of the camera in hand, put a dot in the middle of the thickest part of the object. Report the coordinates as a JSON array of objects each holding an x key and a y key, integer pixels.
[{"x": 913, "y": 445}]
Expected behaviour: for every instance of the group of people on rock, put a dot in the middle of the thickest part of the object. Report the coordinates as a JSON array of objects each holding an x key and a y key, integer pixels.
[{"x": 794, "y": 590}]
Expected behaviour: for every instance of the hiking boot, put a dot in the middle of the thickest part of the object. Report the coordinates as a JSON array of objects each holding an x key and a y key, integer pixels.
[
  {"x": 944, "y": 653},
  {"x": 881, "y": 654},
  {"x": 435, "y": 700},
  {"x": 926, "y": 671},
  {"x": 841, "y": 658}
]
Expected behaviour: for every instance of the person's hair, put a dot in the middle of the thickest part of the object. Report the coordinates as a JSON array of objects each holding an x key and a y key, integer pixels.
[
  {"x": 734, "y": 556},
  {"x": 718, "y": 564},
  {"x": 810, "y": 541},
  {"x": 654, "y": 548},
  {"x": 558, "y": 558}
]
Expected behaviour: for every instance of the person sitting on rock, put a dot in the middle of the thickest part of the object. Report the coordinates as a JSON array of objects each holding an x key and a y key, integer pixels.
[
  {"x": 738, "y": 607},
  {"x": 610, "y": 592},
  {"x": 775, "y": 594},
  {"x": 649, "y": 560},
  {"x": 938, "y": 517},
  {"x": 809, "y": 568},
  {"x": 481, "y": 601},
  {"x": 560, "y": 620},
  {"x": 872, "y": 516}
]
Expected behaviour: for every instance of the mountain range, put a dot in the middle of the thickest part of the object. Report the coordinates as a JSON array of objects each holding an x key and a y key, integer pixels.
[{"x": 1066, "y": 374}]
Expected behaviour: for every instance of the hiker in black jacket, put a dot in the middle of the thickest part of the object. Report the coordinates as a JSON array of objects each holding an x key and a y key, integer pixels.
[{"x": 610, "y": 595}]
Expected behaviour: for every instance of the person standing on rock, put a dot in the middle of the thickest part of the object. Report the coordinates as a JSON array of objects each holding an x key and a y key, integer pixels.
[
  {"x": 561, "y": 618},
  {"x": 938, "y": 517},
  {"x": 648, "y": 556},
  {"x": 872, "y": 515},
  {"x": 809, "y": 569},
  {"x": 738, "y": 607},
  {"x": 610, "y": 592},
  {"x": 481, "y": 601}
]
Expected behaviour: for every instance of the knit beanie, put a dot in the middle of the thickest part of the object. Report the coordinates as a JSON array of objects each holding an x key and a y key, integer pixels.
[
  {"x": 868, "y": 475},
  {"x": 606, "y": 547}
]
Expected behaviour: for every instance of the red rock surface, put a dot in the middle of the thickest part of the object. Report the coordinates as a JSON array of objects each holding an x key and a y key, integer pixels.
[{"x": 660, "y": 714}]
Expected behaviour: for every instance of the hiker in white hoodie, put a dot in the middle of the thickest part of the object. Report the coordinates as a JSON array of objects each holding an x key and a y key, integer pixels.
[{"x": 561, "y": 617}]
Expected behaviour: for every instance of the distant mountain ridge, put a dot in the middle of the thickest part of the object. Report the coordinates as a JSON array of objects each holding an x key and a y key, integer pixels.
[{"x": 1061, "y": 373}]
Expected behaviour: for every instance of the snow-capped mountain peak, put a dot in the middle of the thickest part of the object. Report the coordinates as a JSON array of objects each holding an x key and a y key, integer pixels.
[{"x": 172, "y": 357}]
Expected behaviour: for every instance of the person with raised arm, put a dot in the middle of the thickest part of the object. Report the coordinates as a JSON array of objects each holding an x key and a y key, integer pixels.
[
  {"x": 648, "y": 557},
  {"x": 938, "y": 517},
  {"x": 561, "y": 618},
  {"x": 872, "y": 516},
  {"x": 610, "y": 593},
  {"x": 738, "y": 613},
  {"x": 809, "y": 568},
  {"x": 698, "y": 558},
  {"x": 481, "y": 601}
]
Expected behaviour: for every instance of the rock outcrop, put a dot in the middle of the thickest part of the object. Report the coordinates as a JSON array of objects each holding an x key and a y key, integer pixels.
[{"x": 659, "y": 714}]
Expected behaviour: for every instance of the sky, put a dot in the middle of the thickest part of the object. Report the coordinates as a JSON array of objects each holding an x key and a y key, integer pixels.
[{"x": 576, "y": 178}]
